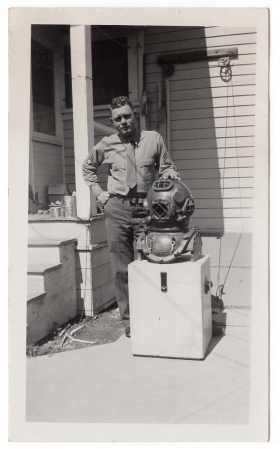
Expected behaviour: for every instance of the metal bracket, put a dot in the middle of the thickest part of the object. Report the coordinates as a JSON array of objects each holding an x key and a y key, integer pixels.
[
  {"x": 196, "y": 55},
  {"x": 207, "y": 285},
  {"x": 197, "y": 247}
]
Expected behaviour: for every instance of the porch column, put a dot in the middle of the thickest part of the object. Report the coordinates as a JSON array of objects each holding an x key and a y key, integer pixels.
[{"x": 80, "y": 44}]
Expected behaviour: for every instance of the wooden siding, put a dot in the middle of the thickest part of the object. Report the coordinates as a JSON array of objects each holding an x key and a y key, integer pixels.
[
  {"x": 48, "y": 170},
  {"x": 212, "y": 133}
]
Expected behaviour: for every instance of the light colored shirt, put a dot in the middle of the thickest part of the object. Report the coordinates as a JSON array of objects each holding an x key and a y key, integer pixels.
[{"x": 150, "y": 155}]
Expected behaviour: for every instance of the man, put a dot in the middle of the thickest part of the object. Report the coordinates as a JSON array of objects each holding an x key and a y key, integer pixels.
[{"x": 133, "y": 156}]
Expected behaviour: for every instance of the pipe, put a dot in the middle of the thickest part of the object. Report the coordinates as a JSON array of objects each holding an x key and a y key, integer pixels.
[{"x": 167, "y": 115}]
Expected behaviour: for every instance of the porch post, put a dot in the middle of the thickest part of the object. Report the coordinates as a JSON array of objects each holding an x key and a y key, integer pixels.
[{"x": 80, "y": 44}]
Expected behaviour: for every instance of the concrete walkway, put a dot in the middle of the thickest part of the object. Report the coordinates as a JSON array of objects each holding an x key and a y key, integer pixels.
[{"x": 106, "y": 384}]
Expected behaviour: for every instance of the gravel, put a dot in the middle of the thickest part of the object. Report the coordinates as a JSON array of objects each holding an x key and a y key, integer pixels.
[{"x": 98, "y": 330}]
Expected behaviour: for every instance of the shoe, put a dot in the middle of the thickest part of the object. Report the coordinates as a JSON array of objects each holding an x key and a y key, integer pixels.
[{"x": 127, "y": 331}]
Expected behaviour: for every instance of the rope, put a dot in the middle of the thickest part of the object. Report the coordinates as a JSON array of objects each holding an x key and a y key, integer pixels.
[{"x": 225, "y": 63}]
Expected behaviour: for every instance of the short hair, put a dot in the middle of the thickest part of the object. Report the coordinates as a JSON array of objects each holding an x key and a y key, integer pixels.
[{"x": 118, "y": 102}]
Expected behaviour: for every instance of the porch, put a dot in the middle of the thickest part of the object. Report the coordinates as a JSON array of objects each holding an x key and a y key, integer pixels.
[
  {"x": 190, "y": 108},
  {"x": 69, "y": 272}
]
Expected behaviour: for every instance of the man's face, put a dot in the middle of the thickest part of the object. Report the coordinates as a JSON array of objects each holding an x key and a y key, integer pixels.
[{"x": 124, "y": 120}]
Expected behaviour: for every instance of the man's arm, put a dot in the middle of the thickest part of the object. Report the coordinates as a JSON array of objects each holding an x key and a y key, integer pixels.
[
  {"x": 166, "y": 167},
  {"x": 90, "y": 168}
]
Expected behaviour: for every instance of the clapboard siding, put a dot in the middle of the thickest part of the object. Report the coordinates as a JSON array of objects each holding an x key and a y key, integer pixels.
[
  {"x": 245, "y": 49},
  {"x": 208, "y": 153},
  {"x": 212, "y": 173},
  {"x": 199, "y": 43},
  {"x": 207, "y": 133},
  {"x": 168, "y": 34},
  {"x": 212, "y": 122},
  {"x": 244, "y": 98},
  {"x": 223, "y": 163},
  {"x": 187, "y": 114},
  {"x": 227, "y": 203},
  {"x": 248, "y": 120},
  {"x": 199, "y": 73},
  {"x": 223, "y": 213},
  {"x": 247, "y": 60},
  {"x": 232, "y": 142},
  {"x": 226, "y": 183},
  {"x": 240, "y": 223},
  {"x": 196, "y": 89},
  {"x": 48, "y": 170},
  {"x": 202, "y": 194}
]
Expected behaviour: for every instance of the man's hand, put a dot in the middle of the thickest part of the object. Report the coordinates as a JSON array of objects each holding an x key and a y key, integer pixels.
[
  {"x": 172, "y": 175},
  {"x": 103, "y": 197}
]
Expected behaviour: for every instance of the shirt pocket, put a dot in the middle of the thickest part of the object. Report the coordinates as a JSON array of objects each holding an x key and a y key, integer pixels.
[
  {"x": 146, "y": 162},
  {"x": 147, "y": 169},
  {"x": 118, "y": 166},
  {"x": 118, "y": 171}
]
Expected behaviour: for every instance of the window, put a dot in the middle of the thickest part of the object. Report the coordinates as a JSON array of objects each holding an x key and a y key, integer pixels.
[
  {"x": 43, "y": 89},
  {"x": 109, "y": 71}
]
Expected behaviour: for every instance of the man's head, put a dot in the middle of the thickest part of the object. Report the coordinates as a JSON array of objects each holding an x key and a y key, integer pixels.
[{"x": 123, "y": 116}]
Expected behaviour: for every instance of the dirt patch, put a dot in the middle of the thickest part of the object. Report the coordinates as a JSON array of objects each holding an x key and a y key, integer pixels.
[{"x": 98, "y": 330}]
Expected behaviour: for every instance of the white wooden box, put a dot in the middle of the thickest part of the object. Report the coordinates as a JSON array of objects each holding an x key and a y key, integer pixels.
[{"x": 176, "y": 323}]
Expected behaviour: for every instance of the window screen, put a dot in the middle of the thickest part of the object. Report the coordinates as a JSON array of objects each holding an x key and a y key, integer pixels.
[
  {"x": 43, "y": 89},
  {"x": 109, "y": 71}
]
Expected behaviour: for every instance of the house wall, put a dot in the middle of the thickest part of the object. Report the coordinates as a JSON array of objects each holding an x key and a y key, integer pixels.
[
  {"x": 211, "y": 120},
  {"x": 212, "y": 138}
]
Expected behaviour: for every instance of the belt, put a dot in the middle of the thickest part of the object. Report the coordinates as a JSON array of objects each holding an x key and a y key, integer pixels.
[{"x": 128, "y": 199}]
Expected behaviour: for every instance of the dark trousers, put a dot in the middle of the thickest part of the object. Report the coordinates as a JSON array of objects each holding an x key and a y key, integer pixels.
[{"x": 122, "y": 229}]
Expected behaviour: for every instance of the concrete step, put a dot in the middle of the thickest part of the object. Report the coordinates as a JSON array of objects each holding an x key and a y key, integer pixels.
[
  {"x": 68, "y": 229},
  {"x": 35, "y": 283},
  {"x": 51, "y": 285},
  {"x": 37, "y": 268},
  {"x": 35, "y": 295},
  {"x": 44, "y": 255},
  {"x": 41, "y": 254},
  {"x": 36, "y": 280},
  {"x": 46, "y": 250},
  {"x": 34, "y": 241}
]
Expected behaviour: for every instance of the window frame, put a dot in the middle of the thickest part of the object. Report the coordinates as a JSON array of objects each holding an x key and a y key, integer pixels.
[
  {"x": 133, "y": 55},
  {"x": 42, "y": 137}
]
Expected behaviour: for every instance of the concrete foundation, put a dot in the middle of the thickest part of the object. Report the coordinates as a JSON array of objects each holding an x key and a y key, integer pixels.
[{"x": 176, "y": 322}]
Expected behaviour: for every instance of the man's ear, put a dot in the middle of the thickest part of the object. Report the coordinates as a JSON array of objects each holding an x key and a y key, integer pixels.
[
  {"x": 135, "y": 112},
  {"x": 111, "y": 120}
]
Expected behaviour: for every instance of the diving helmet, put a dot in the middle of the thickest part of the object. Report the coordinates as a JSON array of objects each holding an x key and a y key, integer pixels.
[{"x": 166, "y": 233}]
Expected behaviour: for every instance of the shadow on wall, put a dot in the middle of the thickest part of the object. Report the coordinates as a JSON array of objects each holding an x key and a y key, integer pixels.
[{"x": 183, "y": 98}]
